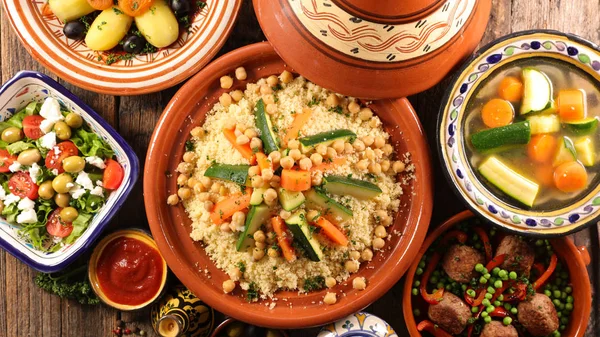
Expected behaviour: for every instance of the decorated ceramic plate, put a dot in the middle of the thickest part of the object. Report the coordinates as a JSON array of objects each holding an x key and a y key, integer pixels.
[
  {"x": 361, "y": 324},
  {"x": 41, "y": 32},
  {"x": 511, "y": 186}
]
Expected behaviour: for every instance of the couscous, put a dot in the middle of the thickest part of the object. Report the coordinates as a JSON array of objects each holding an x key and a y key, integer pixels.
[{"x": 290, "y": 186}]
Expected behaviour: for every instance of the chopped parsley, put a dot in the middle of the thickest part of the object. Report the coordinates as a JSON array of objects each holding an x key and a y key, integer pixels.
[
  {"x": 337, "y": 109},
  {"x": 189, "y": 145},
  {"x": 314, "y": 283},
  {"x": 241, "y": 266},
  {"x": 101, "y": 24},
  {"x": 252, "y": 292},
  {"x": 117, "y": 11},
  {"x": 314, "y": 101}
]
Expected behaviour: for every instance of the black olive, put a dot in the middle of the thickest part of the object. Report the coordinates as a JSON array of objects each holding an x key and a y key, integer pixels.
[
  {"x": 134, "y": 44},
  {"x": 74, "y": 30},
  {"x": 181, "y": 7}
]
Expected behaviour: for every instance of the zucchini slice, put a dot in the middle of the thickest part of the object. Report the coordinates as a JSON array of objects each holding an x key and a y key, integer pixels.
[
  {"x": 359, "y": 189},
  {"x": 325, "y": 138},
  {"x": 583, "y": 127},
  {"x": 331, "y": 209},
  {"x": 544, "y": 124},
  {"x": 257, "y": 196},
  {"x": 566, "y": 152},
  {"x": 290, "y": 200},
  {"x": 509, "y": 181},
  {"x": 537, "y": 91},
  {"x": 235, "y": 173},
  {"x": 517, "y": 133},
  {"x": 586, "y": 152},
  {"x": 303, "y": 236},
  {"x": 265, "y": 127},
  {"x": 257, "y": 216}
]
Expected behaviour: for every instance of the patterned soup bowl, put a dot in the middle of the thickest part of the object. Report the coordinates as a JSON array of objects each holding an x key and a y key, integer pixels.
[{"x": 571, "y": 51}]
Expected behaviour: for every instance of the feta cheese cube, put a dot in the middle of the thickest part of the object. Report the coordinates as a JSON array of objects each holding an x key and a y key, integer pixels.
[
  {"x": 84, "y": 180},
  {"x": 11, "y": 199},
  {"x": 26, "y": 204},
  {"x": 76, "y": 192},
  {"x": 27, "y": 216},
  {"x": 35, "y": 171},
  {"x": 48, "y": 140},
  {"x": 99, "y": 191},
  {"x": 95, "y": 161},
  {"x": 50, "y": 110},
  {"x": 15, "y": 167}
]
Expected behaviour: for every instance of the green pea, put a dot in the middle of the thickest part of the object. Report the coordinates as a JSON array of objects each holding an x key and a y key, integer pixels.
[
  {"x": 556, "y": 294},
  {"x": 548, "y": 293},
  {"x": 564, "y": 320},
  {"x": 491, "y": 290},
  {"x": 419, "y": 271},
  {"x": 556, "y": 302},
  {"x": 463, "y": 287},
  {"x": 487, "y": 319},
  {"x": 559, "y": 314},
  {"x": 436, "y": 273},
  {"x": 539, "y": 243},
  {"x": 487, "y": 276},
  {"x": 433, "y": 280},
  {"x": 483, "y": 280},
  {"x": 502, "y": 273},
  {"x": 512, "y": 275},
  {"x": 475, "y": 237},
  {"x": 568, "y": 306},
  {"x": 495, "y": 271},
  {"x": 556, "y": 334},
  {"x": 471, "y": 292},
  {"x": 417, "y": 283},
  {"x": 477, "y": 245},
  {"x": 486, "y": 302},
  {"x": 422, "y": 264},
  {"x": 497, "y": 303},
  {"x": 415, "y": 291},
  {"x": 490, "y": 308},
  {"x": 563, "y": 295},
  {"x": 440, "y": 285},
  {"x": 561, "y": 306},
  {"x": 417, "y": 312},
  {"x": 568, "y": 290},
  {"x": 562, "y": 327},
  {"x": 507, "y": 306},
  {"x": 501, "y": 298},
  {"x": 484, "y": 314},
  {"x": 474, "y": 310},
  {"x": 488, "y": 296},
  {"x": 507, "y": 321},
  {"x": 498, "y": 284},
  {"x": 514, "y": 310},
  {"x": 479, "y": 267}
]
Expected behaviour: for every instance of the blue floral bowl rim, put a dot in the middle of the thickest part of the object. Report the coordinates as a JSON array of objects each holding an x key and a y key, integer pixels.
[
  {"x": 441, "y": 115},
  {"x": 130, "y": 180}
]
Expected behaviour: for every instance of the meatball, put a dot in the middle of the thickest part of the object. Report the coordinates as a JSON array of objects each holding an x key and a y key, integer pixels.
[
  {"x": 538, "y": 315},
  {"x": 459, "y": 262},
  {"x": 497, "y": 329},
  {"x": 519, "y": 255},
  {"x": 451, "y": 313}
]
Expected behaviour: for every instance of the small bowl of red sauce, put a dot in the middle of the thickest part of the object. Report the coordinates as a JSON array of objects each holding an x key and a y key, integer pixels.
[{"x": 127, "y": 271}]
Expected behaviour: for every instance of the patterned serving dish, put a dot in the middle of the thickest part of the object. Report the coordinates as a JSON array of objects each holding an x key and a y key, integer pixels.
[
  {"x": 360, "y": 324},
  {"x": 28, "y": 86},
  {"x": 42, "y": 35},
  {"x": 567, "y": 48}
]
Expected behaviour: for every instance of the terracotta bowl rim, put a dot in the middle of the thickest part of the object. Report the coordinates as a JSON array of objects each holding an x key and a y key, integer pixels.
[
  {"x": 420, "y": 210},
  {"x": 575, "y": 253},
  {"x": 537, "y": 231}
]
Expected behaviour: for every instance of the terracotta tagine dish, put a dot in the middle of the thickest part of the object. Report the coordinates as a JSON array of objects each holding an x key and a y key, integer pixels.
[{"x": 371, "y": 49}]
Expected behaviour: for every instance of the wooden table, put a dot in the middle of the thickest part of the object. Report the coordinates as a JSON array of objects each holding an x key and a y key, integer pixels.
[{"x": 26, "y": 310}]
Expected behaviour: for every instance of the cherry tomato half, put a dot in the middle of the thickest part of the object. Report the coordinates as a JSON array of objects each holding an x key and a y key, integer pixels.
[
  {"x": 113, "y": 175},
  {"x": 21, "y": 185},
  {"x": 55, "y": 158},
  {"x": 56, "y": 227},
  {"x": 6, "y": 159},
  {"x": 31, "y": 126}
]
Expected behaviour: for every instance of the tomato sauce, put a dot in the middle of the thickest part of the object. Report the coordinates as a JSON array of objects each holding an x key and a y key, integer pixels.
[{"x": 130, "y": 271}]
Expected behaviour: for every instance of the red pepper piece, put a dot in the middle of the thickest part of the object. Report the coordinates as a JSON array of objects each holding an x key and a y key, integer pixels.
[
  {"x": 519, "y": 294},
  {"x": 486, "y": 243},
  {"x": 433, "y": 329},
  {"x": 539, "y": 267},
  {"x": 460, "y": 236},
  {"x": 495, "y": 262},
  {"x": 438, "y": 294},
  {"x": 500, "y": 291},
  {"x": 546, "y": 275},
  {"x": 479, "y": 298},
  {"x": 499, "y": 312}
]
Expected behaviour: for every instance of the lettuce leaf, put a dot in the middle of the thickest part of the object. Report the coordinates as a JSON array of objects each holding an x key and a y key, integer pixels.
[
  {"x": 90, "y": 144},
  {"x": 16, "y": 120},
  {"x": 20, "y": 146},
  {"x": 88, "y": 203},
  {"x": 79, "y": 226}
]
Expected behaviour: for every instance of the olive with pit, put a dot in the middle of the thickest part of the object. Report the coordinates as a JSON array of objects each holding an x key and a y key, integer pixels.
[
  {"x": 46, "y": 191},
  {"x": 61, "y": 183},
  {"x": 63, "y": 131},
  {"x": 73, "y": 164},
  {"x": 12, "y": 134},
  {"x": 62, "y": 199},
  {"x": 73, "y": 120},
  {"x": 69, "y": 214},
  {"x": 29, "y": 157}
]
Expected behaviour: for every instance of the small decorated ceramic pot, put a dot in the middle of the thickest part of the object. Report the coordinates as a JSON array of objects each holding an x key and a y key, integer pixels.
[
  {"x": 181, "y": 314},
  {"x": 361, "y": 324}
]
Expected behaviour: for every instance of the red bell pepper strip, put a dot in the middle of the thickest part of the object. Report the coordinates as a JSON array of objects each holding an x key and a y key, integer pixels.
[
  {"x": 539, "y": 268},
  {"x": 499, "y": 291},
  {"x": 460, "y": 236},
  {"x": 438, "y": 294},
  {"x": 546, "y": 275},
  {"x": 433, "y": 329},
  {"x": 486, "y": 243},
  {"x": 499, "y": 312},
  {"x": 470, "y": 330},
  {"x": 495, "y": 262},
  {"x": 519, "y": 294},
  {"x": 479, "y": 298}
]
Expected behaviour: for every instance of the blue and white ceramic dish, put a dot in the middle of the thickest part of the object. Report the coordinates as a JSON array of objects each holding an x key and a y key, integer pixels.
[
  {"x": 568, "y": 48},
  {"x": 361, "y": 324},
  {"x": 28, "y": 86}
]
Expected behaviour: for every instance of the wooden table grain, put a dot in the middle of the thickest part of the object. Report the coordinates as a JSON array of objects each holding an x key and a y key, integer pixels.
[{"x": 26, "y": 310}]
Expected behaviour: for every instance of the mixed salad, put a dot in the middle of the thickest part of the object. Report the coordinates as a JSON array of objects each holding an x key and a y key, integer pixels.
[{"x": 55, "y": 174}]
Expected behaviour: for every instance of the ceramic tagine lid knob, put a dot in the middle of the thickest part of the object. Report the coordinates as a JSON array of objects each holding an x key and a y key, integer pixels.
[{"x": 373, "y": 49}]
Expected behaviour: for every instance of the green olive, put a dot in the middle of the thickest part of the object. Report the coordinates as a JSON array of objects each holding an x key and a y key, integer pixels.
[
  {"x": 62, "y": 199},
  {"x": 46, "y": 191},
  {"x": 1, "y": 206},
  {"x": 73, "y": 164},
  {"x": 59, "y": 184},
  {"x": 12, "y": 134},
  {"x": 74, "y": 120},
  {"x": 69, "y": 214},
  {"x": 63, "y": 131},
  {"x": 29, "y": 157}
]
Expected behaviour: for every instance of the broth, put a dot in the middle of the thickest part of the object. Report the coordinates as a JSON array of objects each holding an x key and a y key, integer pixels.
[{"x": 563, "y": 77}]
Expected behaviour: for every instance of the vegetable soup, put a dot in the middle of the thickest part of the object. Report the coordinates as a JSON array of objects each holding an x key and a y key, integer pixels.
[{"x": 531, "y": 133}]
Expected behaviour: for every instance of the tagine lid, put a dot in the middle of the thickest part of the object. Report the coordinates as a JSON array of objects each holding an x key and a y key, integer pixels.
[{"x": 373, "y": 49}]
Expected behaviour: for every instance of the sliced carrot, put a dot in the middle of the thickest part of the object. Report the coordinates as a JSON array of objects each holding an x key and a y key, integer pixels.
[
  {"x": 329, "y": 164},
  {"x": 497, "y": 112},
  {"x": 571, "y": 104},
  {"x": 135, "y": 7},
  {"x": 101, "y": 4},
  {"x": 263, "y": 161},
  {"x": 541, "y": 148},
  {"x": 295, "y": 180},
  {"x": 511, "y": 89},
  {"x": 544, "y": 174},
  {"x": 245, "y": 149},
  {"x": 331, "y": 231},
  {"x": 570, "y": 177},
  {"x": 225, "y": 208},
  {"x": 283, "y": 238},
  {"x": 299, "y": 121}
]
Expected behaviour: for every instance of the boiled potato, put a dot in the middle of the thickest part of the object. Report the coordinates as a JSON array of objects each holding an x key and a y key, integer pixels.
[
  {"x": 158, "y": 25},
  {"x": 109, "y": 28},
  {"x": 69, "y": 10}
]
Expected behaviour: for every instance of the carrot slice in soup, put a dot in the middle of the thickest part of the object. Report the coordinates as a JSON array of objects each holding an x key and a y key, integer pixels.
[
  {"x": 571, "y": 104},
  {"x": 225, "y": 208},
  {"x": 299, "y": 121},
  {"x": 331, "y": 231},
  {"x": 544, "y": 174},
  {"x": 511, "y": 89},
  {"x": 570, "y": 177},
  {"x": 329, "y": 165},
  {"x": 283, "y": 238},
  {"x": 295, "y": 180},
  {"x": 244, "y": 149},
  {"x": 497, "y": 112},
  {"x": 541, "y": 148}
]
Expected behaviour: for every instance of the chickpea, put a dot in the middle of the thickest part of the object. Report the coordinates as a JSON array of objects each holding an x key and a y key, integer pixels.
[
  {"x": 378, "y": 243},
  {"x": 353, "y": 107},
  {"x": 216, "y": 187},
  {"x": 348, "y": 148},
  {"x": 223, "y": 191},
  {"x": 238, "y": 218},
  {"x": 330, "y": 282},
  {"x": 275, "y": 182},
  {"x": 385, "y": 165},
  {"x": 330, "y": 298},
  {"x": 378, "y": 153},
  {"x": 184, "y": 193},
  {"x": 45, "y": 190},
  {"x": 387, "y": 221},
  {"x": 258, "y": 254},
  {"x": 184, "y": 168},
  {"x": 351, "y": 266},
  {"x": 208, "y": 205},
  {"x": 267, "y": 174},
  {"x": 387, "y": 149},
  {"x": 265, "y": 89},
  {"x": 59, "y": 184},
  {"x": 312, "y": 215},
  {"x": 251, "y": 133},
  {"x": 229, "y": 124},
  {"x": 63, "y": 131},
  {"x": 354, "y": 255},
  {"x": 272, "y": 80},
  {"x": 367, "y": 254},
  {"x": 286, "y": 77},
  {"x": 287, "y": 162},
  {"x": 237, "y": 95},
  {"x": 189, "y": 157},
  {"x": 365, "y": 114},
  {"x": 256, "y": 143},
  {"x": 379, "y": 142},
  {"x": 275, "y": 157},
  {"x": 317, "y": 178},
  {"x": 225, "y": 99},
  {"x": 257, "y": 181},
  {"x": 375, "y": 168},
  {"x": 192, "y": 182},
  {"x": 285, "y": 214},
  {"x": 269, "y": 99},
  {"x": 273, "y": 252},
  {"x": 359, "y": 283},
  {"x": 369, "y": 154},
  {"x": 380, "y": 232},
  {"x": 206, "y": 182},
  {"x": 62, "y": 199},
  {"x": 199, "y": 188},
  {"x": 242, "y": 140},
  {"x": 305, "y": 164},
  {"x": 253, "y": 171},
  {"x": 29, "y": 157},
  {"x": 73, "y": 120},
  {"x": 68, "y": 214},
  {"x": 228, "y": 286},
  {"x": 271, "y": 108},
  {"x": 331, "y": 152},
  {"x": 380, "y": 215},
  {"x": 172, "y": 200},
  {"x": 295, "y": 154},
  {"x": 271, "y": 237},
  {"x": 359, "y": 145},
  {"x": 374, "y": 122},
  {"x": 240, "y": 74},
  {"x": 270, "y": 195},
  {"x": 260, "y": 245},
  {"x": 338, "y": 146},
  {"x": 362, "y": 165},
  {"x": 398, "y": 166},
  {"x": 316, "y": 159},
  {"x": 332, "y": 100},
  {"x": 236, "y": 274},
  {"x": 12, "y": 134},
  {"x": 73, "y": 164},
  {"x": 321, "y": 149},
  {"x": 368, "y": 140},
  {"x": 226, "y": 82},
  {"x": 205, "y": 196},
  {"x": 197, "y": 132},
  {"x": 293, "y": 144}
]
